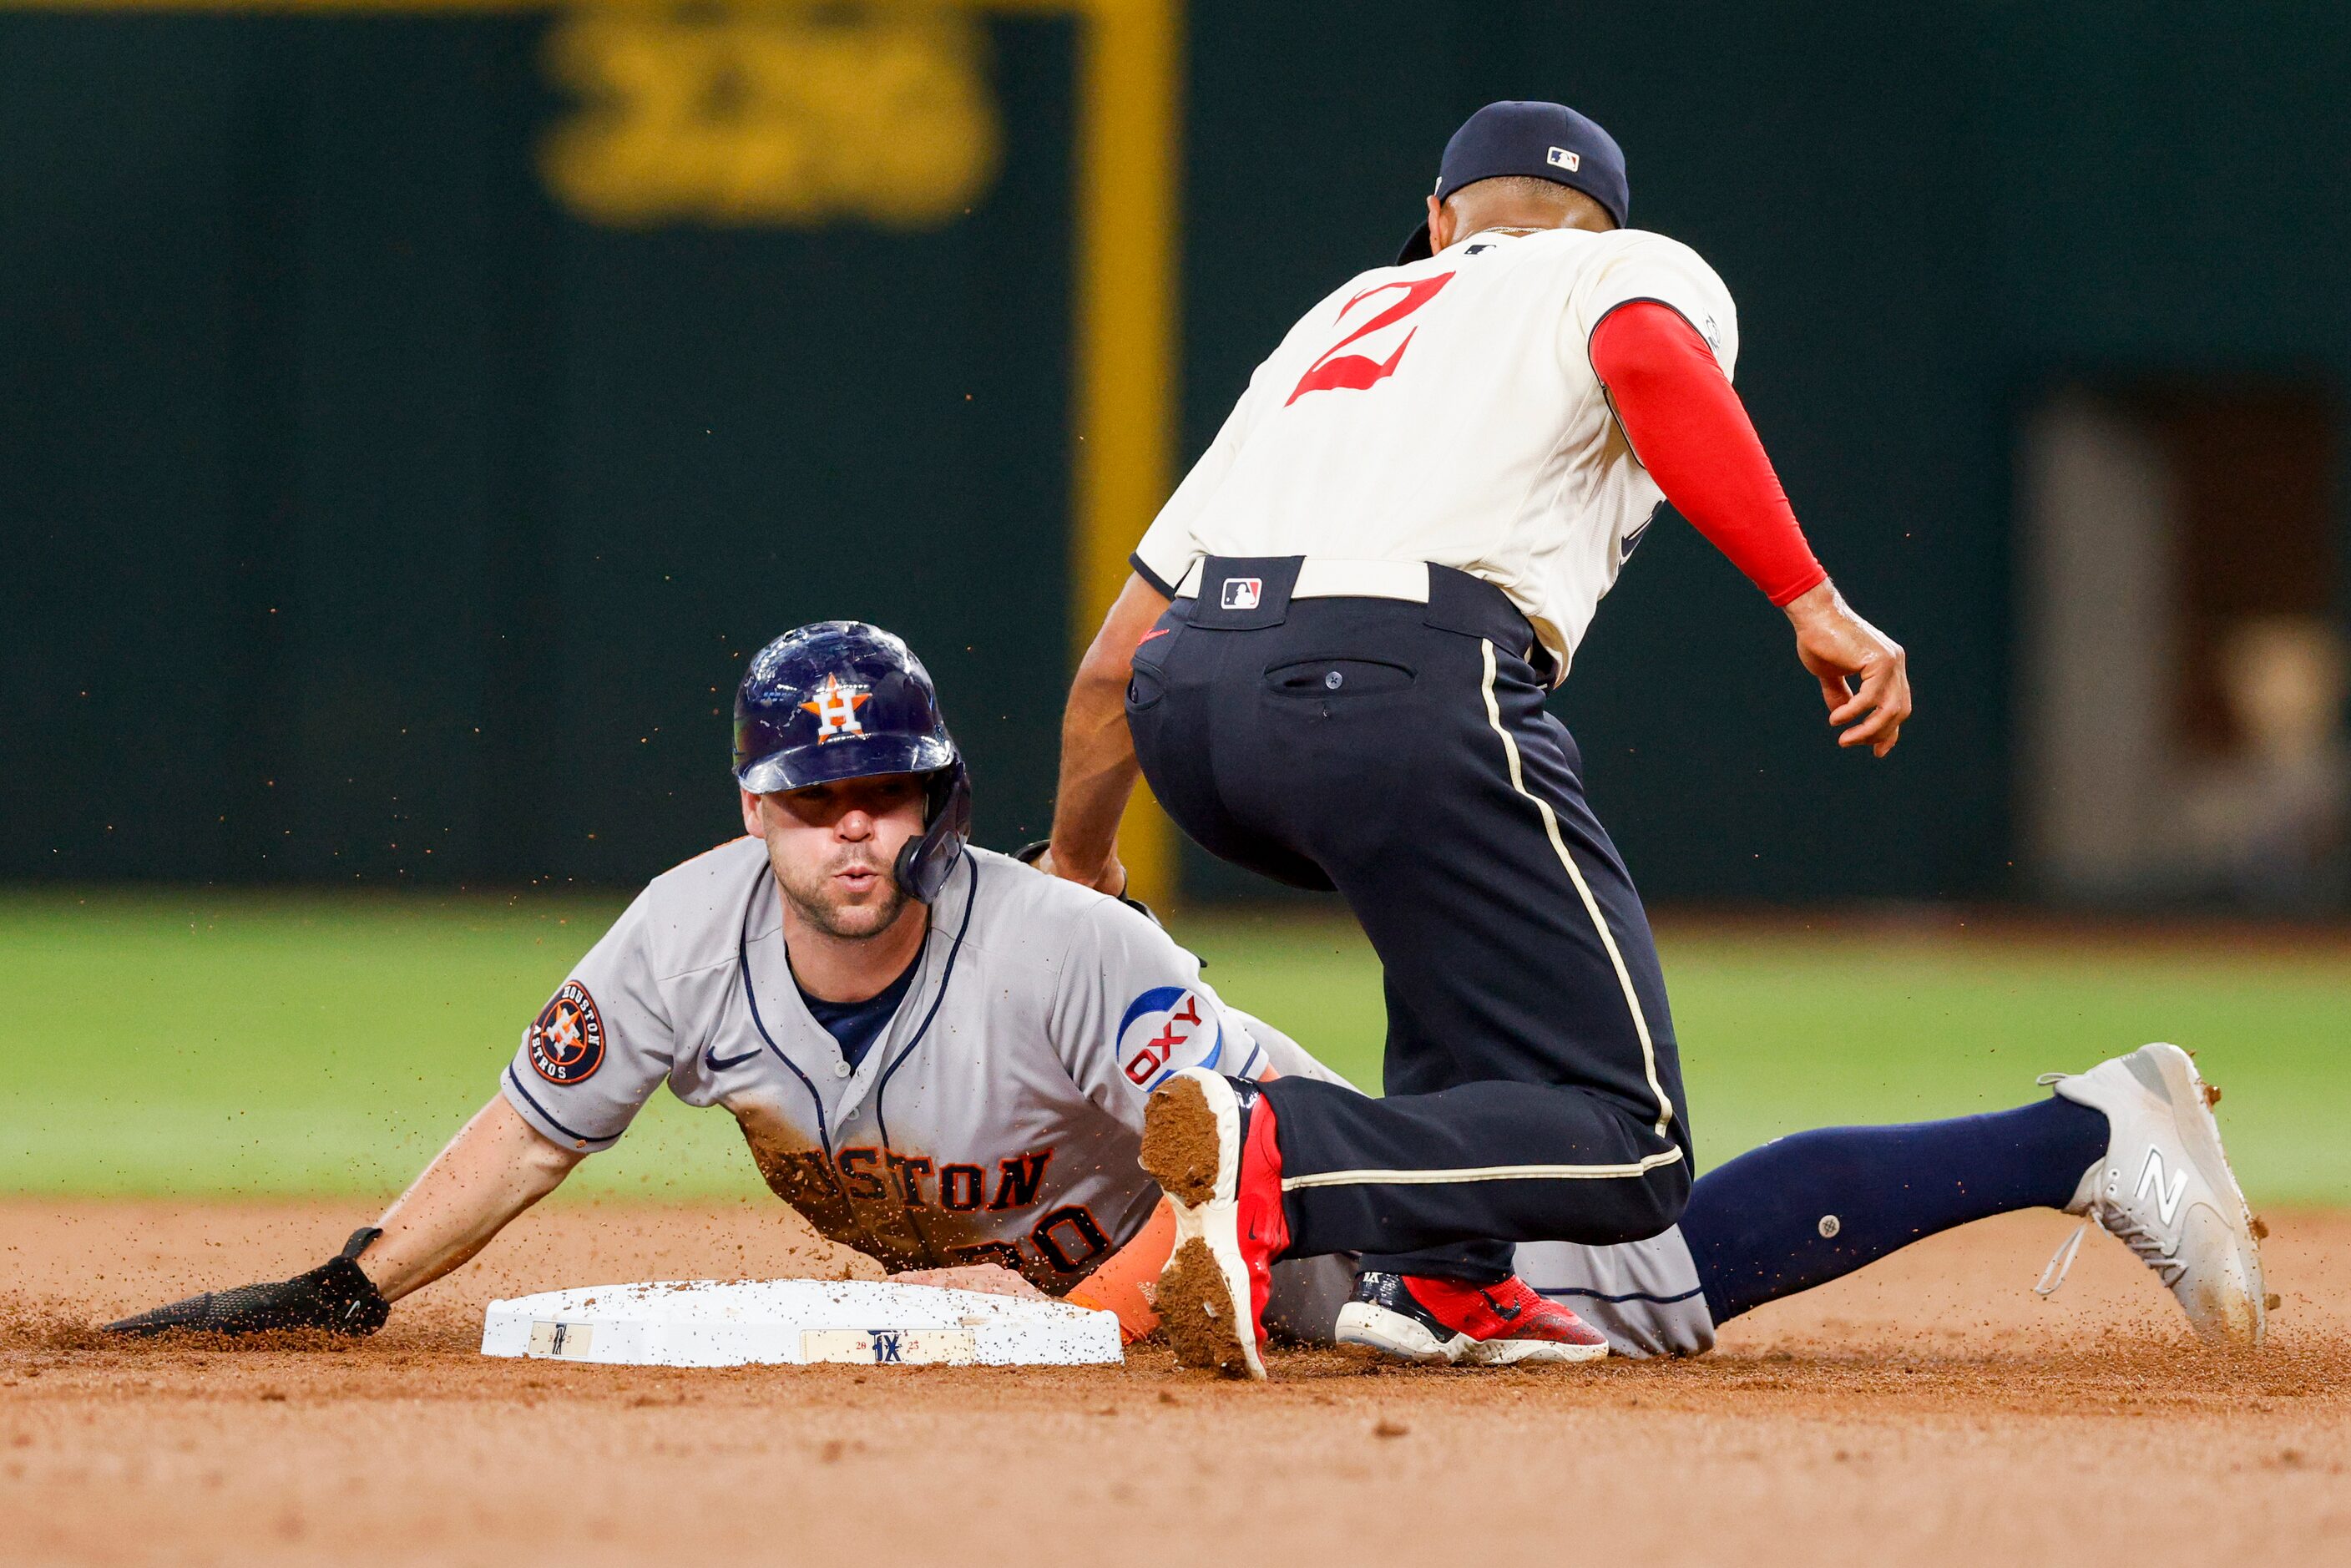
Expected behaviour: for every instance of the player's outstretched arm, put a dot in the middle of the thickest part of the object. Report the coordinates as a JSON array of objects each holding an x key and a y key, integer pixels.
[
  {"x": 1098, "y": 766},
  {"x": 496, "y": 1167},
  {"x": 1692, "y": 432}
]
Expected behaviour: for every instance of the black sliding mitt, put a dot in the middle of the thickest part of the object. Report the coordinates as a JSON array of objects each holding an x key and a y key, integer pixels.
[{"x": 336, "y": 1295}]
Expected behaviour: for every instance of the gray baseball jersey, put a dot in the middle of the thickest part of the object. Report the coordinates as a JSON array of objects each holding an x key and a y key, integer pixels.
[
  {"x": 998, "y": 1117},
  {"x": 1644, "y": 1295}
]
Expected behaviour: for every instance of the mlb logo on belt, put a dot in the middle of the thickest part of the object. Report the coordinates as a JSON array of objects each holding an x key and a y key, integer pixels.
[{"x": 1243, "y": 593}]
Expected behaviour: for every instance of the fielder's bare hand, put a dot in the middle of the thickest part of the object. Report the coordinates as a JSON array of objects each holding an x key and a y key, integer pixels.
[
  {"x": 1864, "y": 675},
  {"x": 1111, "y": 878}
]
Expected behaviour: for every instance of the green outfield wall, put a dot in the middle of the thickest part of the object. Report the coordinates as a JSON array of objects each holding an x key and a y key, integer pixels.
[{"x": 410, "y": 419}]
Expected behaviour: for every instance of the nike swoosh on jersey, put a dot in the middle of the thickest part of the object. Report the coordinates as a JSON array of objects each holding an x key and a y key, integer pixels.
[
  {"x": 1147, "y": 636},
  {"x": 717, "y": 1063}
]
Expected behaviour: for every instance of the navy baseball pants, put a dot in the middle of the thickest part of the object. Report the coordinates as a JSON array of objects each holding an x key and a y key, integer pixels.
[{"x": 1400, "y": 754}]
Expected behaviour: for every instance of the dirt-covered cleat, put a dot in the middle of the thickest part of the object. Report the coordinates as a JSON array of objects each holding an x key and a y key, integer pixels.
[
  {"x": 2165, "y": 1190},
  {"x": 1208, "y": 1142},
  {"x": 1444, "y": 1322}
]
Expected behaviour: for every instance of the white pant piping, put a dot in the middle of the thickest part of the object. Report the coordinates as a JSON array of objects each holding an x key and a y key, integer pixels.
[
  {"x": 1481, "y": 1173},
  {"x": 1591, "y": 905}
]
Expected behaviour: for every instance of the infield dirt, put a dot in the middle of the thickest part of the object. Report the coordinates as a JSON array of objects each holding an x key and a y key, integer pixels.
[{"x": 1928, "y": 1410}]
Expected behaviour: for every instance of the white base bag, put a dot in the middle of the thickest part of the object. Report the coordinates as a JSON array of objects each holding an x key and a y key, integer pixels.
[{"x": 738, "y": 1323}]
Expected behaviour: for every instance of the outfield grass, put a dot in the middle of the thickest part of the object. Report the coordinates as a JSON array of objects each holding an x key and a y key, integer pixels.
[{"x": 203, "y": 1043}]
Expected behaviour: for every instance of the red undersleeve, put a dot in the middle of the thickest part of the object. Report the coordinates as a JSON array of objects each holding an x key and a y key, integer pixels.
[{"x": 1692, "y": 433}]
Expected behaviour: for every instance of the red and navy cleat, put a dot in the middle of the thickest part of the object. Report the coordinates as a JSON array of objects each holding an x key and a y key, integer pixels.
[
  {"x": 1208, "y": 1142},
  {"x": 1444, "y": 1322}
]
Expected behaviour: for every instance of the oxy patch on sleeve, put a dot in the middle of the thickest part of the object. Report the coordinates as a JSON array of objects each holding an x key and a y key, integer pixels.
[
  {"x": 1165, "y": 1029},
  {"x": 567, "y": 1039}
]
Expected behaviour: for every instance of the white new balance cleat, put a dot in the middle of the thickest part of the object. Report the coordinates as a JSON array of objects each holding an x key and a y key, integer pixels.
[{"x": 2165, "y": 1191}]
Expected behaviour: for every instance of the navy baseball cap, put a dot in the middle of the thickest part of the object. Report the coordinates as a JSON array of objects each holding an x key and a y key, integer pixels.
[{"x": 1539, "y": 141}]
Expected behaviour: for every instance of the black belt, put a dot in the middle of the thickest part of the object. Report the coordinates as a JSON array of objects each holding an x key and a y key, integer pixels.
[{"x": 1249, "y": 593}]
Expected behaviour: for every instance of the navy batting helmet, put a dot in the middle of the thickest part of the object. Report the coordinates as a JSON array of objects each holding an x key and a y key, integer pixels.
[{"x": 840, "y": 699}]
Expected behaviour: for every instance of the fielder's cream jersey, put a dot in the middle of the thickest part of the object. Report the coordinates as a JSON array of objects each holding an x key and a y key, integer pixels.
[
  {"x": 998, "y": 1119},
  {"x": 1447, "y": 412}
]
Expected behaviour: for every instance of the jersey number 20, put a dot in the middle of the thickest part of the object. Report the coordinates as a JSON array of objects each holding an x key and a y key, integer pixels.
[{"x": 1354, "y": 372}]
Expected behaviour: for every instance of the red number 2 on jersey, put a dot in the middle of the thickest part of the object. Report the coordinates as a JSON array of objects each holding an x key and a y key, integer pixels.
[{"x": 1354, "y": 372}]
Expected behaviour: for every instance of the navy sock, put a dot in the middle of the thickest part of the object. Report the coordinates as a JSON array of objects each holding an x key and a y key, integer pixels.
[{"x": 1807, "y": 1208}]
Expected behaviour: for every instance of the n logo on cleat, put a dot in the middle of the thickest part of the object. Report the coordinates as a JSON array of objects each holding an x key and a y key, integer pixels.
[{"x": 2168, "y": 1193}]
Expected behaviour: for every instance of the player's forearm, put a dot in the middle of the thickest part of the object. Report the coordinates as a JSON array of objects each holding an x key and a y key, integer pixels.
[
  {"x": 1098, "y": 766},
  {"x": 496, "y": 1167},
  {"x": 1098, "y": 775},
  {"x": 1692, "y": 433}
]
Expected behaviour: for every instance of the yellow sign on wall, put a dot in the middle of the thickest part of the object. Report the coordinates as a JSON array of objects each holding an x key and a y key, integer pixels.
[{"x": 771, "y": 118}]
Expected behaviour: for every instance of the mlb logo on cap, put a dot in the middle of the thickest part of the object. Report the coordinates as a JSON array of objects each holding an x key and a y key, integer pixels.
[
  {"x": 1243, "y": 593},
  {"x": 1530, "y": 141}
]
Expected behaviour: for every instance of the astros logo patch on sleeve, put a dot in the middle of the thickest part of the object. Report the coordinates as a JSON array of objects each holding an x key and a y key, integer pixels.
[
  {"x": 1165, "y": 1028},
  {"x": 567, "y": 1040}
]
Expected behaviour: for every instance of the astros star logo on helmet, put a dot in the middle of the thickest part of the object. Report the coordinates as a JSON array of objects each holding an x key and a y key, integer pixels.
[{"x": 835, "y": 706}]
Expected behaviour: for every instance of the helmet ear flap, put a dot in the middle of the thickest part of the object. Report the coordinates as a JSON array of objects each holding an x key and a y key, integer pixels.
[{"x": 924, "y": 862}]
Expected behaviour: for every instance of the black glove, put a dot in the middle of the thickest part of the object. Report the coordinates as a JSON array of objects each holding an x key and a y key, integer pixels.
[{"x": 336, "y": 1295}]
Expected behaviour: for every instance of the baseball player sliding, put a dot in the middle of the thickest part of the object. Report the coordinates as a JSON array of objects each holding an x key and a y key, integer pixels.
[
  {"x": 942, "y": 1059},
  {"x": 1331, "y": 662}
]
